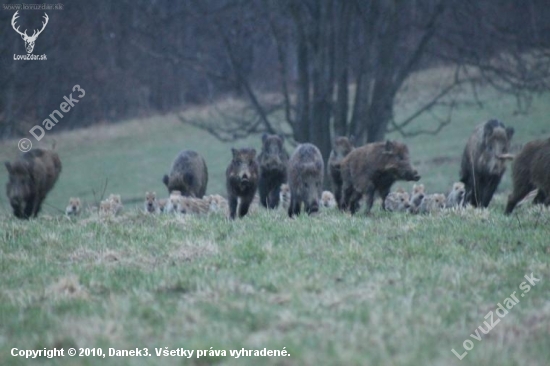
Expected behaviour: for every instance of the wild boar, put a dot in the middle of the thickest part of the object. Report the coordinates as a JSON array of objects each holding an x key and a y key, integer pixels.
[
  {"x": 484, "y": 161},
  {"x": 328, "y": 200},
  {"x": 74, "y": 207},
  {"x": 306, "y": 170},
  {"x": 150, "y": 205},
  {"x": 284, "y": 196},
  {"x": 432, "y": 203},
  {"x": 188, "y": 174},
  {"x": 456, "y": 196},
  {"x": 397, "y": 201},
  {"x": 241, "y": 180},
  {"x": 272, "y": 161},
  {"x": 341, "y": 147},
  {"x": 374, "y": 168},
  {"x": 531, "y": 170},
  {"x": 31, "y": 177},
  {"x": 417, "y": 195}
]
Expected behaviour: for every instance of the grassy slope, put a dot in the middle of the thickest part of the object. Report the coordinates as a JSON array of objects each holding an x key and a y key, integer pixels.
[{"x": 333, "y": 289}]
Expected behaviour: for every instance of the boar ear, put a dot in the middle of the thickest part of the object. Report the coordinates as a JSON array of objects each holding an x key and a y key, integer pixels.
[
  {"x": 488, "y": 129},
  {"x": 389, "y": 147},
  {"x": 235, "y": 152},
  {"x": 8, "y": 166},
  {"x": 264, "y": 137},
  {"x": 510, "y": 132},
  {"x": 165, "y": 180},
  {"x": 252, "y": 154}
]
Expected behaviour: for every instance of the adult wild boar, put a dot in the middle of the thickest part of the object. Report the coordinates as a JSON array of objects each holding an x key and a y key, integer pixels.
[
  {"x": 484, "y": 161},
  {"x": 241, "y": 180},
  {"x": 273, "y": 161},
  {"x": 306, "y": 170},
  {"x": 31, "y": 177},
  {"x": 188, "y": 175},
  {"x": 341, "y": 147},
  {"x": 374, "y": 168},
  {"x": 531, "y": 170}
]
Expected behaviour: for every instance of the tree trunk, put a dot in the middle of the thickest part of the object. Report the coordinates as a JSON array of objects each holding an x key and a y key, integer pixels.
[
  {"x": 341, "y": 59},
  {"x": 301, "y": 128}
]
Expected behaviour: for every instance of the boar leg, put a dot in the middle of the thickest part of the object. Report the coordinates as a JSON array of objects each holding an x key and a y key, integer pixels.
[
  {"x": 468, "y": 196},
  {"x": 370, "y": 199},
  {"x": 384, "y": 193},
  {"x": 29, "y": 207},
  {"x": 338, "y": 195},
  {"x": 273, "y": 199},
  {"x": 488, "y": 190},
  {"x": 346, "y": 199},
  {"x": 37, "y": 205},
  {"x": 466, "y": 179},
  {"x": 263, "y": 193},
  {"x": 354, "y": 201},
  {"x": 337, "y": 187},
  {"x": 294, "y": 207},
  {"x": 520, "y": 191},
  {"x": 245, "y": 204},
  {"x": 475, "y": 193},
  {"x": 18, "y": 212},
  {"x": 233, "y": 200},
  {"x": 539, "y": 198}
]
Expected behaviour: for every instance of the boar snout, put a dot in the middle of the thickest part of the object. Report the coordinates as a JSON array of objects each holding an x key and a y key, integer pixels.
[
  {"x": 273, "y": 162},
  {"x": 244, "y": 176},
  {"x": 313, "y": 207},
  {"x": 414, "y": 176}
]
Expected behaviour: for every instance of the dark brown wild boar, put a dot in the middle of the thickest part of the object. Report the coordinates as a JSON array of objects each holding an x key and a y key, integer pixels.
[
  {"x": 188, "y": 175},
  {"x": 341, "y": 147},
  {"x": 484, "y": 161},
  {"x": 241, "y": 180},
  {"x": 31, "y": 177},
  {"x": 531, "y": 170},
  {"x": 306, "y": 170},
  {"x": 273, "y": 161},
  {"x": 374, "y": 168}
]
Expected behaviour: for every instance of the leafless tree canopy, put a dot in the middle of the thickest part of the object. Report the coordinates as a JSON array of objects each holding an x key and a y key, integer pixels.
[{"x": 308, "y": 69}]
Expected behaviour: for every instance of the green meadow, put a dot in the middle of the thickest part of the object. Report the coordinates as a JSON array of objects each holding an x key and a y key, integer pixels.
[{"x": 388, "y": 289}]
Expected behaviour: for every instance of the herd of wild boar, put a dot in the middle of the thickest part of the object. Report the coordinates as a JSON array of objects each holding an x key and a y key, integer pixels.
[{"x": 273, "y": 178}]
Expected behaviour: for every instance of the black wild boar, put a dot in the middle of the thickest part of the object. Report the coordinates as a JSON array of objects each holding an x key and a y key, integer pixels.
[
  {"x": 31, "y": 177},
  {"x": 188, "y": 175},
  {"x": 374, "y": 168},
  {"x": 341, "y": 147},
  {"x": 306, "y": 170},
  {"x": 531, "y": 170},
  {"x": 273, "y": 161},
  {"x": 241, "y": 180},
  {"x": 484, "y": 161}
]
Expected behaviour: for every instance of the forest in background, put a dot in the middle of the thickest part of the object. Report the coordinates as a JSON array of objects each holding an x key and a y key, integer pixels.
[{"x": 331, "y": 67}]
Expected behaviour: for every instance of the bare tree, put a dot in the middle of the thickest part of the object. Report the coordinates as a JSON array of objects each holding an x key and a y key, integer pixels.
[
  {"x": 309, "y": 69},
  {"x": 326, "y": 48}
]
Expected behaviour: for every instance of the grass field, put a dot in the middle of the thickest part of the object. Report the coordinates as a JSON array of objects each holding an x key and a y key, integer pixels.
[{"x": 333, "y": 289}]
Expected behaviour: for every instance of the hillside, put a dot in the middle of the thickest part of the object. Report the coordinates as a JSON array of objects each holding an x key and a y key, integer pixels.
[{"x": 389, "y": 289}]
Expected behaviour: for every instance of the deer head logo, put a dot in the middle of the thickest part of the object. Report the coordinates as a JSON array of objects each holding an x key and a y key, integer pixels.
[{"x": 29, "y": 41}]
